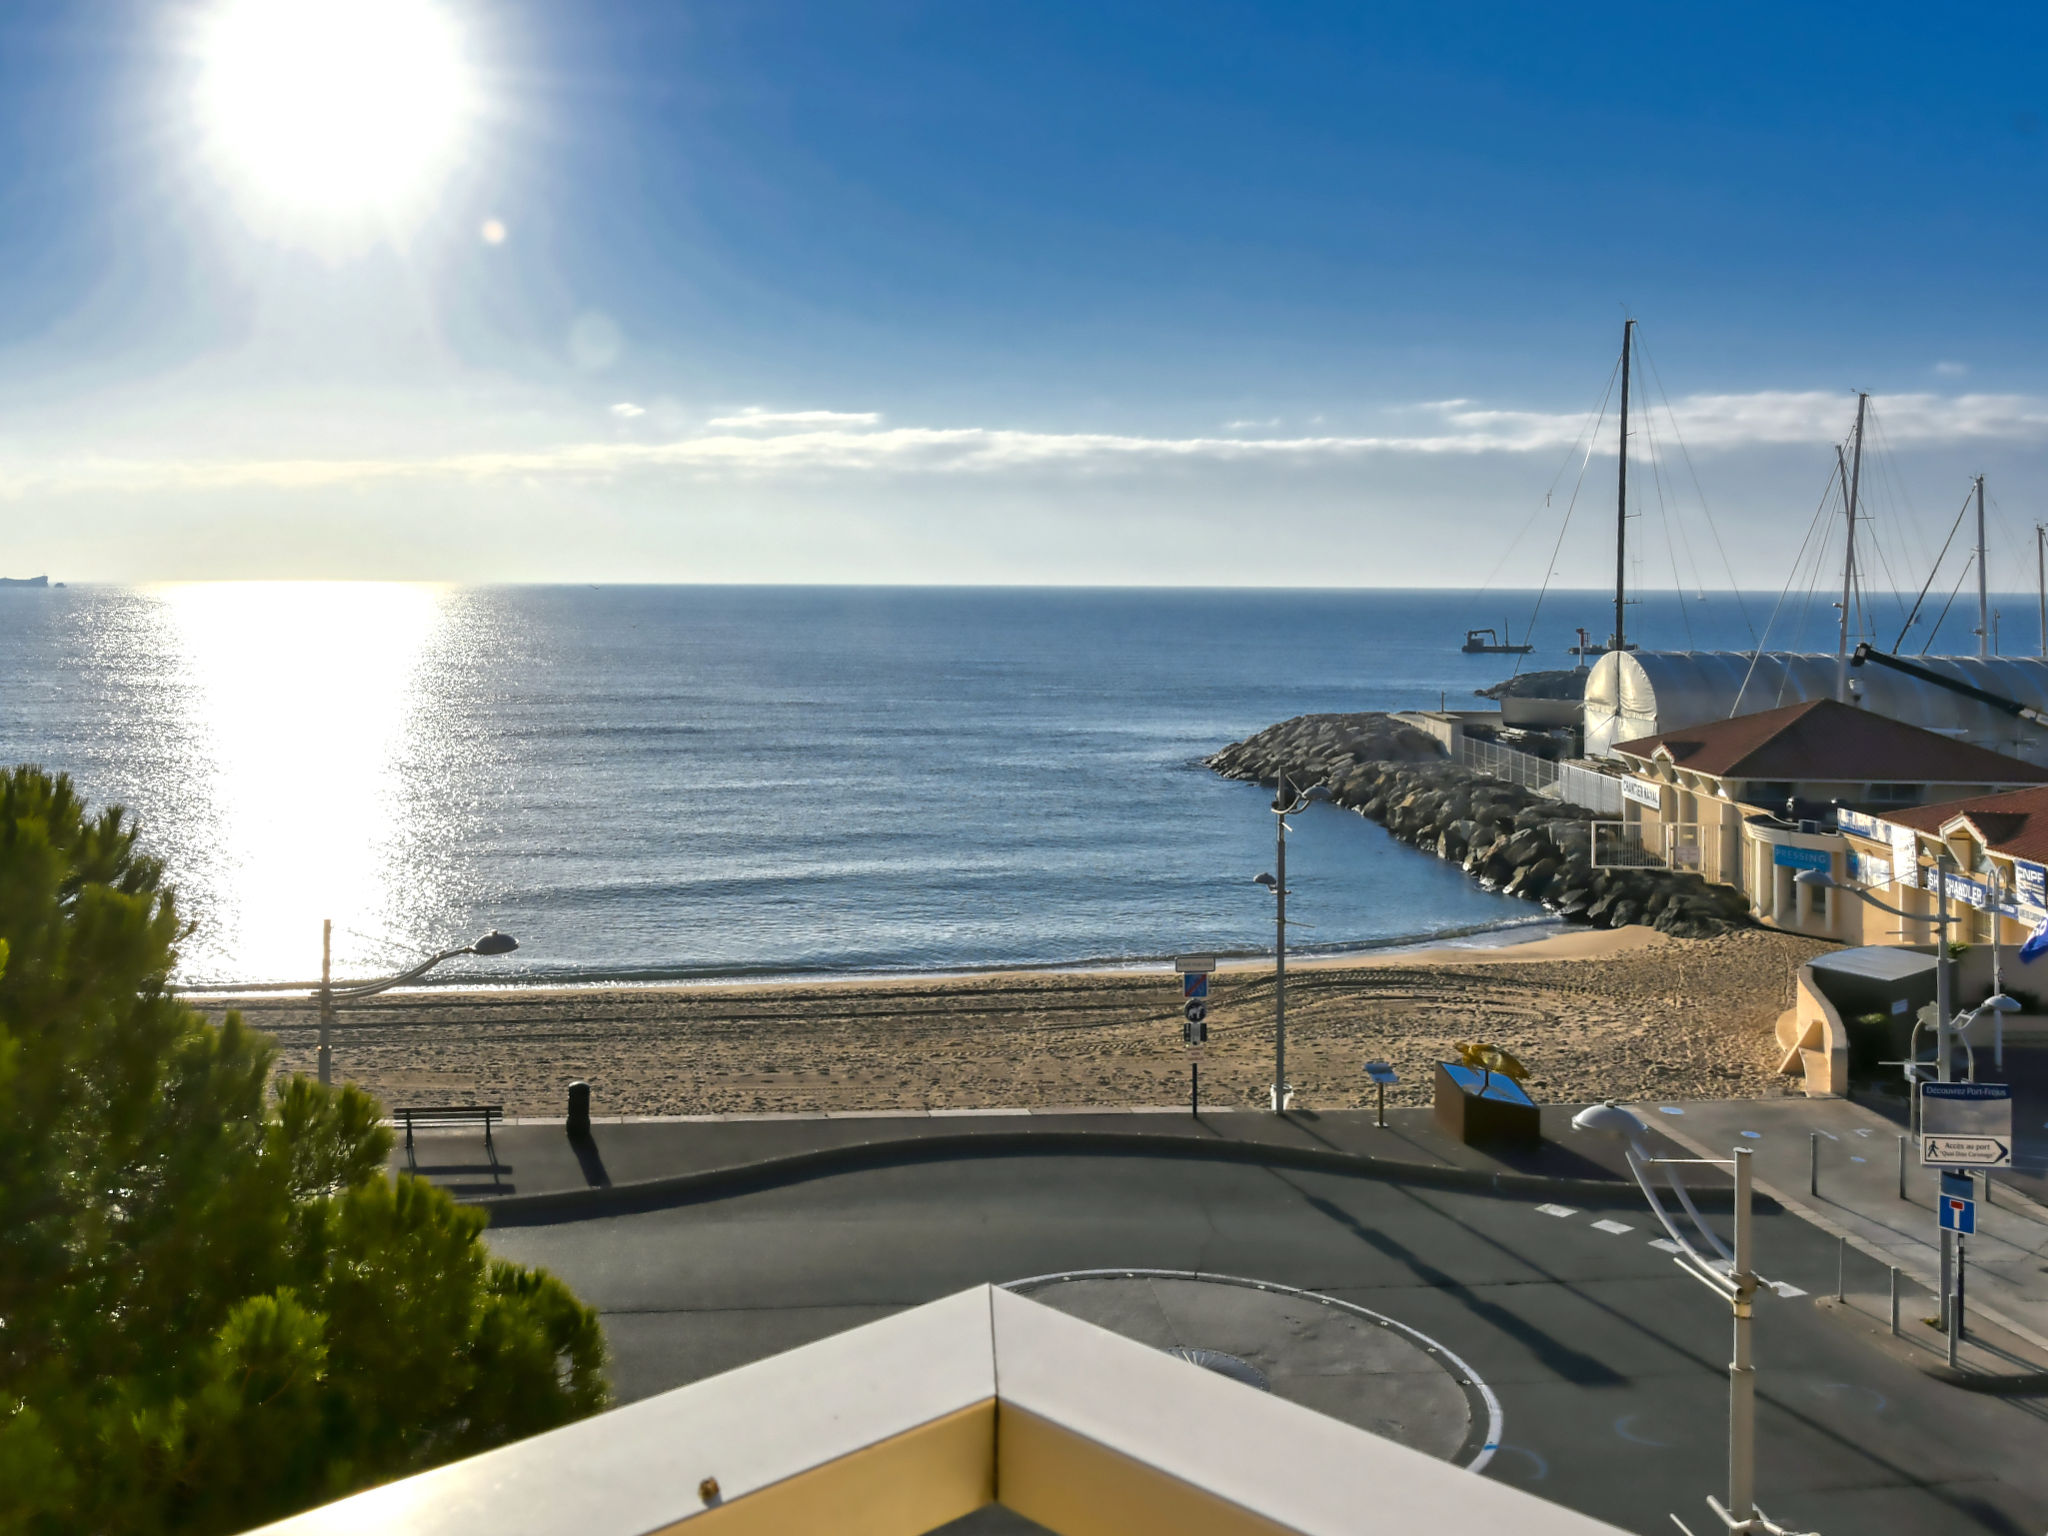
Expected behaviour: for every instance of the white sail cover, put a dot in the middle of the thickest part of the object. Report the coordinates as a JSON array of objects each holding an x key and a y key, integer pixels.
[{"x": 1632, "y": 694}]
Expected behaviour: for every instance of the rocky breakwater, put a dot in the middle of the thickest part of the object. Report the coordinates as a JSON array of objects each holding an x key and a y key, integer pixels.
[{"x": 1511, "y": 839}]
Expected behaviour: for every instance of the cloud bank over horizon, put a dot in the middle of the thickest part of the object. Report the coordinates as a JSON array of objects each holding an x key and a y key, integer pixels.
[{"x": 758, "y": 441}]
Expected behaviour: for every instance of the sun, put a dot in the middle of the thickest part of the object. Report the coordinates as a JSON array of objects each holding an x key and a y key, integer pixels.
[{"x": 334, "y": 106}]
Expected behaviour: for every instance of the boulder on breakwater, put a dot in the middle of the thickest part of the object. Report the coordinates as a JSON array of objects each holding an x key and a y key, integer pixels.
[{"x": 1509, "y": 838}]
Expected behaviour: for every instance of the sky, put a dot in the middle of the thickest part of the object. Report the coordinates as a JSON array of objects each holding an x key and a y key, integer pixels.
[{"x": 1195, "y": 294}]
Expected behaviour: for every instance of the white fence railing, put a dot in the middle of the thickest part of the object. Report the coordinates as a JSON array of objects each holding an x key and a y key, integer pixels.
[
  {"x": 1596, "y": 791},
  {"x": 1499, "y": 762},
  {"x": 1648, "y": 845}
]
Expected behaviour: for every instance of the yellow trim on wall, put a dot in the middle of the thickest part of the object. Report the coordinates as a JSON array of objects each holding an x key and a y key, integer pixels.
[
  {"x": 902, "y": 1486},
  {"x": 1080, "y": 1487}
]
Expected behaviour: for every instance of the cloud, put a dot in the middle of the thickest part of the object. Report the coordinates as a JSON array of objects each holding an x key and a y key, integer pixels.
[
  {"x": 759, "y": 442},
  {"x": 626, "y": 410},
  {"x": 1951, "y": 370},
  {"x": 754, "y": 416}
]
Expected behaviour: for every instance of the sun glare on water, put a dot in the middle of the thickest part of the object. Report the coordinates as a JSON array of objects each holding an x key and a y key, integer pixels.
[
  {"x": 306, "y": 706},
  {"x": 334, "y": 106}
]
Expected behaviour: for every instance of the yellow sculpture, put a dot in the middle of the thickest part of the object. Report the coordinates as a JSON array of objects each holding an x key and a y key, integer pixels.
[{"x": 1490, "y": 1059}]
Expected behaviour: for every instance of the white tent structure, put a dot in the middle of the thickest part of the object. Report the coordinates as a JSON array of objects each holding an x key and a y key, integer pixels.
[{"x": 1632, "y": 694}]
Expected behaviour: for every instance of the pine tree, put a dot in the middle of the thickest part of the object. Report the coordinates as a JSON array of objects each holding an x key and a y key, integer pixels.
[{"x": 216, "y": 1308}]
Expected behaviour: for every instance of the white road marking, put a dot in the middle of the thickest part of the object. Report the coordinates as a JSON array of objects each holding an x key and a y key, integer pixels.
[
  {"x": 1558, "y": 1210},
  {"x": 1666, "y": 1244},
  {"x": 1616, "y": 1227}
]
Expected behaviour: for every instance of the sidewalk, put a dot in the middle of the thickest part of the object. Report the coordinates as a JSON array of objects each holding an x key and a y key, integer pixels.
[
  {"x": 1858, "y": 1200},
  {"x": 537, "y": 1158}
]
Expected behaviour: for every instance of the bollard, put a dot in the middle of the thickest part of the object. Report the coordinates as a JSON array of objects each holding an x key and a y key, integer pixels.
[
  {"x": 1902, "y": 1167},
  {"x": 579, "y": 1111},
  {"x": 1813, "y": 1162},
  {"x": 1841, "y": 1265},
  {"x": 1895, "y": 1301}
]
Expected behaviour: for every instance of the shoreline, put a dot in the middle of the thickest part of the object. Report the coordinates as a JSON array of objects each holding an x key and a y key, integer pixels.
[
  {"x": 1479, "y": 939},
  {"x": 1593, "y": 1012}
]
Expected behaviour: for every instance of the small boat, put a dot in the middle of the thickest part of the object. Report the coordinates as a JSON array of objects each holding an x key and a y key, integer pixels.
[{"x": 1491, "y": 644}]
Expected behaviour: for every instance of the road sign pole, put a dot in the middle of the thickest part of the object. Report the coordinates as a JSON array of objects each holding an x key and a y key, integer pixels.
[
  {"x": 1948, "y": 1240},
  {"x": 1195, "y": 1089},
  {"x": 1955, "y": 1304},
  {"x": 1962, "y": 1269}
]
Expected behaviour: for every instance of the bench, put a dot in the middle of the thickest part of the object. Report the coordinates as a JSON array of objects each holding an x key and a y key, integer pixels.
[{"x": 450, "y": 1114}]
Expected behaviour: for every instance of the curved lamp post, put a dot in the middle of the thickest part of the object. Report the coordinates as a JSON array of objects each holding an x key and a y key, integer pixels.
[
  {"x": 492, "y": 943},
  {"x": 1730, "y": 1276}
]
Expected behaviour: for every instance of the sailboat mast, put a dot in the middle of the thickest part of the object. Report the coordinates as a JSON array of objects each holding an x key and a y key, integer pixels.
[
  {"x": 1628, "y": 330},
  {"x": 2041, "y": 575},
  {"x": 1849, "y": 555},
  {"x": 1983, "y": 590}
]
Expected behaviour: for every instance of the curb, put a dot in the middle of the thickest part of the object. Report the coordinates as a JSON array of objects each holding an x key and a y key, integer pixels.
[
  {"x": 550, "y": 1206},
  {"x": 2013, "y": 1384},
  {"x": 1863, "y": 1245}
]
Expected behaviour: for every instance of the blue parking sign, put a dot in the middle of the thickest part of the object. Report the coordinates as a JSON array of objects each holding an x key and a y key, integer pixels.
[{"x": 1193, "y": 985}]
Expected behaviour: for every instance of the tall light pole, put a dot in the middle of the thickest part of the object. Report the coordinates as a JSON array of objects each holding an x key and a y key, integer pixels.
[
  {"x": 492, "y": 943},
  {"x": 1949, "y": 1025},
  {"x": 1729, "y": 1275},
  {"x": 1283, "y": 807}
]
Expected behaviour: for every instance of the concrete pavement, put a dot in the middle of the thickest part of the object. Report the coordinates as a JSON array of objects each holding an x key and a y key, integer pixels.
[
  {"x": 1609, "y": 1363},
  {"x": 1858, "y": 1202}
]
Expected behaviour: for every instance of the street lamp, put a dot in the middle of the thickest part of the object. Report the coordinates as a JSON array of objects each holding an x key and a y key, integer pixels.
[
  {"x": 1942, "y": 921},
  {"x": 492, "y": 943},
  {"x": 1948, "y": 1027},
  {"x": 1729, "y": 1275},
  {"x": 1283, "y": 807}
]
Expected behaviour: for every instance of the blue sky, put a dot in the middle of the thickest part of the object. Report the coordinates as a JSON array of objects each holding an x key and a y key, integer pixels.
[{"x": 954, "y": 292}]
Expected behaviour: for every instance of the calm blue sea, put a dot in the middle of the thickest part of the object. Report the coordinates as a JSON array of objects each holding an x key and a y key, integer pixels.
[{"x": 649, "y": 782}]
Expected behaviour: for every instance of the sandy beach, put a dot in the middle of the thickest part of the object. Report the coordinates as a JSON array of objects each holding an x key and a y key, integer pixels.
[{"x": 1625, "y": 1012}]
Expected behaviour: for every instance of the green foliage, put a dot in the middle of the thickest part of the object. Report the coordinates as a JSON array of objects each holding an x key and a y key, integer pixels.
[{"x": 215, "y": 1307}]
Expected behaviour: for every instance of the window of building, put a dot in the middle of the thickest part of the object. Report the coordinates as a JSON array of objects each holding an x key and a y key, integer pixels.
[{"x": 1898, "y": 794}]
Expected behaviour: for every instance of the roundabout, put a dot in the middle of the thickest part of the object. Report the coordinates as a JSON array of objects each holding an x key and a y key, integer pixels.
[{"x": 1337, "y": 1358}]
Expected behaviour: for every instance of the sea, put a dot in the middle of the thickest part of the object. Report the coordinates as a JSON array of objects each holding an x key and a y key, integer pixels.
[{"x": 657, "y": 783}]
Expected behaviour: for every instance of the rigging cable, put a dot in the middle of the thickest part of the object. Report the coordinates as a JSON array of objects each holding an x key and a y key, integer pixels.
[
  {"x": 1792, "y": 576},
  {"x": 1664, "y": 517},
  {"x": 1734, "y": 586},
  {"x": 1592, "y": 441},
  {"x": 1566, "y": 464},
  {"x": 1951, "y": 601},
  {"x": 1932, "y": 572}
]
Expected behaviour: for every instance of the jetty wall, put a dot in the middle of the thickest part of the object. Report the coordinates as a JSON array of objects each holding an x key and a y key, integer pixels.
[{"x": 1511, "y": 839}]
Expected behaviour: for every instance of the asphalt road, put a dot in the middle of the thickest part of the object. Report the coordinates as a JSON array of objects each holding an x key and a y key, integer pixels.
[{"x": 1609, "y": 1362}]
